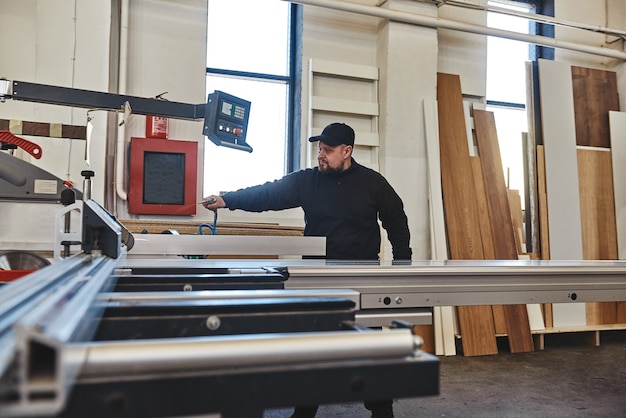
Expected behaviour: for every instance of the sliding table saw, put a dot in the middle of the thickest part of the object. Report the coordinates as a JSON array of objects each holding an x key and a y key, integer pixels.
[
  {"x": 97, "y": 334},
  {"x": 114, "y": 331}
]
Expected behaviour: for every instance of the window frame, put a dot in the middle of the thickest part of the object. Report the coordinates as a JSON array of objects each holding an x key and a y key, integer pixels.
[
  {"x": 536, "y": 52},
  {"x": 293, "y": 82}
]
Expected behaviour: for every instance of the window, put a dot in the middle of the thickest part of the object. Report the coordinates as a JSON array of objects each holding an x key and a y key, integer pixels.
[
  {"x": 506, "y": 89},
  {"x": 250, "y": 54}
]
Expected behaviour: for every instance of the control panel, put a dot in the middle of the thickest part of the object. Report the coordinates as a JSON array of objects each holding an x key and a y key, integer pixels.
[{"x": 226, "y": 120}]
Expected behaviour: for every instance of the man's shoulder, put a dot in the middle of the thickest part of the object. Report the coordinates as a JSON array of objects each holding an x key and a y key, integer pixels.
[{"x": 364, "y": 170}]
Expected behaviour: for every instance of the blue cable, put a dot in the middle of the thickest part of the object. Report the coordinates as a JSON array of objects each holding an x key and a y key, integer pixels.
[{"x": 213, "y": 228}]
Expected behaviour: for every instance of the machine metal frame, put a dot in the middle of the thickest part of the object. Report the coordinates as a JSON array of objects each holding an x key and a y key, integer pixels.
[
  {"x": 93, "y": 334},
  {"x": 408, "y": 291},
  {"x": 72, "y": 345}
]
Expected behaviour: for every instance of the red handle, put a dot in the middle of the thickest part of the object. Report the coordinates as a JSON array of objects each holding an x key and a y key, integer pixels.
[{"x": 30, "y": 147}]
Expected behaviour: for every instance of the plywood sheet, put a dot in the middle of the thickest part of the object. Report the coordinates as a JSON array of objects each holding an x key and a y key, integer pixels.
[
  {"x": 443, "y": 322},
  {"x": 542, "y": 197},
  {"x": 461, "y": 213},
  {"x": 595, "y": 94},
  {"x": 427, "y": 334},
  {"x": 449, "y": 324},
  {"x": 561, "y": 169},
  {"x": 597, "y": 210},
  {"x": 569, "y": 314},
  {"x": 559, "y": 140},
  {"x": 618, "y": 154},
  {"x": 501, "y": 222},
  {"x": 477, "y": 330},
  {"x": 483, "y": 210},
  {"x": 621, "y": 313},
  {"x": 530, "y": 141},
  {"x": 535, "y": 317},
  {"x": 136, "y": 226},
  {"x": 515, "y": 203},
  {"x": 439, "y": 249},
  {"x": 601, "y": 313},
  {"x": 438, "y": 331},
  {"x": 547, "y": 314},
  {"x": 463, "y": 230},
  {"x": 499, "y": 319}
]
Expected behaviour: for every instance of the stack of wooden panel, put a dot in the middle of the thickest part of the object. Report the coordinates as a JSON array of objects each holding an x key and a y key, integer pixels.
[
  {"x": 479, "y": 224},
  {"x": 573, "y": 167},
  {"x": 577, "y": 209},
  {"x": 137, "y": 226}
]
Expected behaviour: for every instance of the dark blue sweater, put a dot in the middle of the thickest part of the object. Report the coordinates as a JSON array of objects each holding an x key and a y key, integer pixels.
[{"x": 343, "y": 207}]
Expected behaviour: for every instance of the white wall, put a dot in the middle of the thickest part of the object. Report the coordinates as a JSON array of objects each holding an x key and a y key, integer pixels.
[
  {"x": 407, "y": 57},
  {"x": 68, "y": 43},
  {"x": 593, "y": 13},
  {"x": 63, "y": 43},
  {"x": 464, "y": 53},
  {"x": 166, "y": 53}
]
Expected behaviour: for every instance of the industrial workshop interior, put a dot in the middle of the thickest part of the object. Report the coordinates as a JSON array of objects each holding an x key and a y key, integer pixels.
[{"x": 330, "y": 208}]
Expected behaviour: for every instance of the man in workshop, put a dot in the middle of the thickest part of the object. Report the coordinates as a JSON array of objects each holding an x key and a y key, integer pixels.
[{"x": 342, "y": 201}]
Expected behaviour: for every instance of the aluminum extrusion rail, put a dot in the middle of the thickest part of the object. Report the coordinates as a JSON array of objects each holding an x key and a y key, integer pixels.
[
  {"x": 25, "y": 294},
  {"x": 441, "y": 283},
  {"x": 470, "y": 283},
  {"x": 33, "y": 380},
  {"x": 136, "y": 297}
]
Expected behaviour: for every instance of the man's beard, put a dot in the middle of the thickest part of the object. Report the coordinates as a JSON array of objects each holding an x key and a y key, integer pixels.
[{"x": 327, "y": 169}]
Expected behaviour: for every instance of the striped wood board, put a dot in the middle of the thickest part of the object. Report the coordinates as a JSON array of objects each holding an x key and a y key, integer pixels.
[
  {"x": 597, "y": 211},
  {"x": 501, "y": 222},
  {"x": 460, "y": 209}
]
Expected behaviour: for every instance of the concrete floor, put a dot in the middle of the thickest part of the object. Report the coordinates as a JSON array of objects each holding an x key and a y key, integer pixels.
[{"x": 569, "y": 378}]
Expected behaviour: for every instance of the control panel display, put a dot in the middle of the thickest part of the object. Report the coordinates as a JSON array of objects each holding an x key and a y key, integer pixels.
[{"x": 226, "y": 120}]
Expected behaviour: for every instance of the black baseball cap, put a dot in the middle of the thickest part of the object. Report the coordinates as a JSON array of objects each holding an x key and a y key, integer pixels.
[{"x": 335, "y": 134}]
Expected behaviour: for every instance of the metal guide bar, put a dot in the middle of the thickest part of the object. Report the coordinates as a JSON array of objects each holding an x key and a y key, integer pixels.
[
  {"x": 66, "y": 96},
  {"x": 135, "y": 297},
  {"x": 25, "y": 294},
  {"x": 431, "y": 283}
]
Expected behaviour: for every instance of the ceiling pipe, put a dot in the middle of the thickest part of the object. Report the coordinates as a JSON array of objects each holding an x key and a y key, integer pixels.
[
  {"x": 531, "y": 16},
  {"x": 434, "y": 22},
  {"x": 553, "y": 21},
  {"x": 120, "y": 154}
]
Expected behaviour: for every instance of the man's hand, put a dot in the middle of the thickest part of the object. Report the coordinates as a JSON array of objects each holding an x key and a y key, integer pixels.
[{"x": 213, "y": 203}]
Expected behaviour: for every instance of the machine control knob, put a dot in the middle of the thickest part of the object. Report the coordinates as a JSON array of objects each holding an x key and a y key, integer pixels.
[
  {"x": 387, "y": 300},
  {"x": 398, "y": 300},
  {"x": 87, "y": 174},
  {"x": 213, "y": 322}
]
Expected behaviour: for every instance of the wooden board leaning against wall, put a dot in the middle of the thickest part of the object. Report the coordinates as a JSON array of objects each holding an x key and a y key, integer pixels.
[
  {"x": 460, "y": 210},
  {"x": 474, "y": 210},
  {"x": 594, "y": 95},
  {"x": 478, "y": 218}
]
